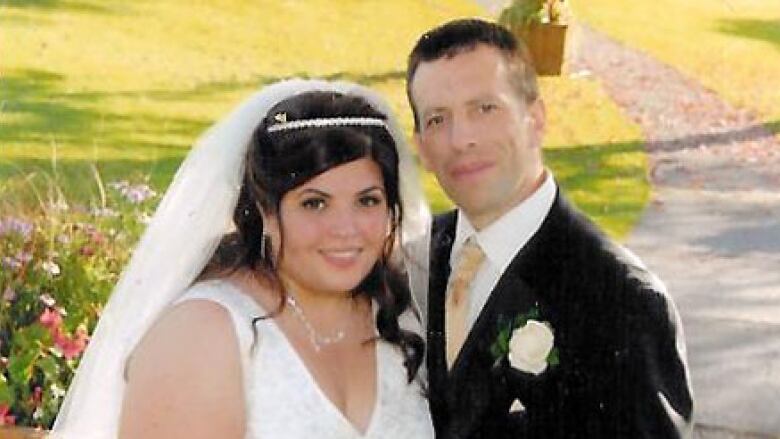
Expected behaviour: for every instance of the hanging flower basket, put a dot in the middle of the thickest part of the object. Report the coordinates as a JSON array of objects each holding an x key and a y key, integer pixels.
[
  {"x": 546, "y": 42},
  {"x": 542, "y": 25}
]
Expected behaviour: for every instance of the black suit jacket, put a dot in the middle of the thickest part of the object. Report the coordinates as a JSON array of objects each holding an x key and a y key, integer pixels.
[{"x": 620, "y": 373}]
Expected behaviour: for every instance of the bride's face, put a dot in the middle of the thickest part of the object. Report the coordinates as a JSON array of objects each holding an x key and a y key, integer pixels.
[{"x": 334, "y": 228}]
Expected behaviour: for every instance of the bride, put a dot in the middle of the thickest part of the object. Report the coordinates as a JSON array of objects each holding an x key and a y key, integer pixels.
[{"x": 292, "y": 320}]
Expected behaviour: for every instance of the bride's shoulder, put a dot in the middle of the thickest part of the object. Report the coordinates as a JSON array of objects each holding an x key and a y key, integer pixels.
[
  {"x": 201, "y": 316},
  {"x": 185, "y": 328},
  {"x": 185, "y": 345},
  {"x": 235, "y": 293},
  {"x": 211, "y": 289}
]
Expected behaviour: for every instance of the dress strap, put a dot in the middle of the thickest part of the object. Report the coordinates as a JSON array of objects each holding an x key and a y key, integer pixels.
[{"x": 242, "y": 308}]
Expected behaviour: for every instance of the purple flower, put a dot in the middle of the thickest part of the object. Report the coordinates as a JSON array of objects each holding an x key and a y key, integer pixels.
[
  {"x": 17, "y": 226},
  {"x": 11, "y": 263},
  {"x": 136, "y": 194},
  {"x": 16, "y": 261}
]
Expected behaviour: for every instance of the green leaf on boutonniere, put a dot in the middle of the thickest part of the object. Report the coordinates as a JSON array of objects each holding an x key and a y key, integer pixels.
[
  {"x": 522, "y": 319},
  {"x": 553, "y": 359},
  {"x": 500, "y": 346}
]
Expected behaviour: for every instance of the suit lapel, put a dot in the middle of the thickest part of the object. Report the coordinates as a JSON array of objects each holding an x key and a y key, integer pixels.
[{"x": 442, "y": 239}]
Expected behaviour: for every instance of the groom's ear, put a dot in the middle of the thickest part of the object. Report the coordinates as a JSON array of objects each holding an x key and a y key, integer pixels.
[{"x": 421, "y": 151}]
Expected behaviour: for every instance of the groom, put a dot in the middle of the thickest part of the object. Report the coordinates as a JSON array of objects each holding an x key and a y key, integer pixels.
[{"x": 538, "y": 325}]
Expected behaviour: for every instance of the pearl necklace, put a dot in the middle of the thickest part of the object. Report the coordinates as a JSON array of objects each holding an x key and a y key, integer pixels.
[{"x": 317, "y": 340}]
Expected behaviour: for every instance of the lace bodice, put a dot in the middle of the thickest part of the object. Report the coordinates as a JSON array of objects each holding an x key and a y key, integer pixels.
[{"x": 284, "y": 401}]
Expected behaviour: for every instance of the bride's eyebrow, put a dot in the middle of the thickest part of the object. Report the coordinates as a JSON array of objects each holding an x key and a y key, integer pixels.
[
  {"x": 312, "y": 191},
  {"x": 371, "y": 189}
]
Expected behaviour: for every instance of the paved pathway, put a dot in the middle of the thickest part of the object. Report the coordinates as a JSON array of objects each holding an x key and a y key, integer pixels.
[{"x": 712, "y": 231}]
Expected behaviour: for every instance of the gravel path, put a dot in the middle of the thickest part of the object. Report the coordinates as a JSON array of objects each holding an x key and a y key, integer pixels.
[{"x": 711, "y": 232}]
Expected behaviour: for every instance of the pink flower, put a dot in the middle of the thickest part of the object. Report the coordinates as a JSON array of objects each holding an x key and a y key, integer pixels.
[
  {"x": 9, "y": 294},
  {"x": 71, "y": 347},
  {"x": 87, "y": 251},
  {"x": 5, "y": 418},
  {"x": 97, "y": 237},
  {"x": 51, "y": 319},
  {"x": 37, "y": 395}
]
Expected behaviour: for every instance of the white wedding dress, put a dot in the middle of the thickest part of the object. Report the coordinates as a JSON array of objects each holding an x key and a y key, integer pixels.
[{"x": 284, "y": 401}]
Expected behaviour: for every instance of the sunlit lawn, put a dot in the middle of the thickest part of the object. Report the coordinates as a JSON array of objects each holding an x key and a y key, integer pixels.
[
  {"x": 730, "y": 46},
  {"x": 109, "y": 90}
]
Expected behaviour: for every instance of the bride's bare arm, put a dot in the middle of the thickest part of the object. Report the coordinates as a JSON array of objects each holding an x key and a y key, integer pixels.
[{"x": 184, "y": 378}]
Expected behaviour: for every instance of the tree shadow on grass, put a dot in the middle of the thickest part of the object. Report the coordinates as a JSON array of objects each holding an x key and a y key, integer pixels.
[
  {"x": 754, "y": 132},
  {"x": 585, "y": 172},
  {"x": 57, "y": 138},
  {"x": 28, "y": 110},
  {"x": 102, "y": 7},
  {"x": 218, "y": 87},
  {"x": 35, "y": 110},
  {"x": 601, "y": 179},
  {"x": 368, "y": 79},
  {"x": 89, "y": 130},
  {"x": 763, "y": 30},
  {"x": 773, "y": 127}
]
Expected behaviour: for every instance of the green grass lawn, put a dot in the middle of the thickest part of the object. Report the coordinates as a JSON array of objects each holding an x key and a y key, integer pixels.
[
  {"x": 121, "y": 90},
  {"x": 730, "y": 46},
  {"x": 596, "y": 153},
  {"x": 129, "y": 85}
]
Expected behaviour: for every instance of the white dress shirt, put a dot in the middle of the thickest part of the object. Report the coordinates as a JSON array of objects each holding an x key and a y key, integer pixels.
[{"x": 500, "y": 241}]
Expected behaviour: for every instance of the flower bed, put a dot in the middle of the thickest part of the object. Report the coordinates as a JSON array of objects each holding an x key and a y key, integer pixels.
[{"x": 58, "y": 268}]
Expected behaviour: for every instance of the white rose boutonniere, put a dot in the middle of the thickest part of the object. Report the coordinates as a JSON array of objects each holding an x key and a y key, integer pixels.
[
  {"x": 530, "y": 346},
  {"x": 527, "y": 342}
]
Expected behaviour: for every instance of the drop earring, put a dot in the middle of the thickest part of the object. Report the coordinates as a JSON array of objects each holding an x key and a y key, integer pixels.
[{"x": 265, "y": 247}]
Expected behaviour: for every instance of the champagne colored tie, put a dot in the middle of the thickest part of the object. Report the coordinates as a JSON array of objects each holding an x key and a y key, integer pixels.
[{"x": 457, "y": 303}]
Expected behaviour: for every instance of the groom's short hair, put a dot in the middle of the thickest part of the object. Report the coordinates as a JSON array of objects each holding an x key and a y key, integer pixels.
[{"x": 462, "y": 35}]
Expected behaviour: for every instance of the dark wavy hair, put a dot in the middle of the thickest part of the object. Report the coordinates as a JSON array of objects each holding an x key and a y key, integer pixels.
[{"x": 279, "y": 161}]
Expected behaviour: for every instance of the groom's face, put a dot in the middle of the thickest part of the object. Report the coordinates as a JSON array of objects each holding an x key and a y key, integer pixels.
[{"x": 477, "y": 135}]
